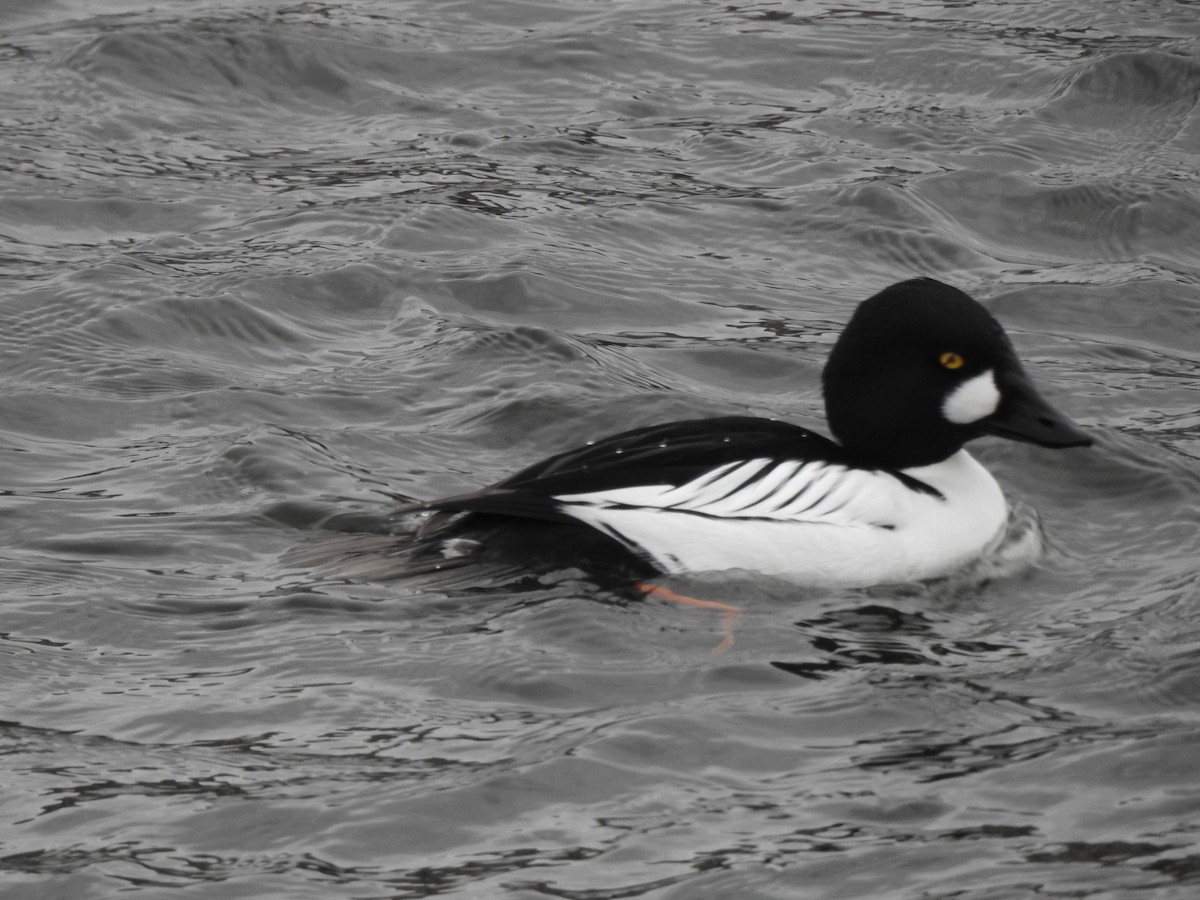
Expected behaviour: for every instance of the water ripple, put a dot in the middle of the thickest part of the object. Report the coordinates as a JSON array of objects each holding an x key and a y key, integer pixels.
[{"x": 270, "y": 268}]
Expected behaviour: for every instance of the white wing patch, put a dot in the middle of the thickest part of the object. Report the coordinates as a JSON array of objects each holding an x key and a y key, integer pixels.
[{"x": 777, "y": 490}]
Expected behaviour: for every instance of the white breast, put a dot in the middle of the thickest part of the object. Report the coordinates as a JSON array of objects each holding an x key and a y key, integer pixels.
[{"x": 811, "y": 522}]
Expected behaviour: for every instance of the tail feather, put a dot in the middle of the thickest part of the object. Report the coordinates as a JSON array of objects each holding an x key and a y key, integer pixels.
[
  {"x": 473, "y": 551},
  {"x": 517, "y": 504},
  {"x": 371, "y": 557}
]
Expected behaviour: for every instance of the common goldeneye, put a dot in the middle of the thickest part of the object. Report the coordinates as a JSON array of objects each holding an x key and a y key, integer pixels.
[{"x": 920, "y": 370}]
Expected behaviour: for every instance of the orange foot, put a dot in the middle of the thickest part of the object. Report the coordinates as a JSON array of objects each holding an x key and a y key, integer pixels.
[{"x": 728, "y": 610}]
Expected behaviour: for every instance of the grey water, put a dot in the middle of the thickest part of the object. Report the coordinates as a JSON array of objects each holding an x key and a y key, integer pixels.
[{"x": 266, "y": 263}]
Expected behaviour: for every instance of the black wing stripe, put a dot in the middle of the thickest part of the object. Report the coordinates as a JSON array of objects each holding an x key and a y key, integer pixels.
[
  {"x": 763, "y": 467},
  {"x": 705, "y": 491},
  {"x": 825, "y": 483},
  {"x": 721, "y": 517},
  {"x": 817, "y": 481},
  {"x": 762, "y": 495},
  {"x": 712, "y": 477},
  {"x": 806, "y": 483}
]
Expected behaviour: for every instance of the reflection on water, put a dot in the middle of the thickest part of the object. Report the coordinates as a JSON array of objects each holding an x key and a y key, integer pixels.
[{"x": 271, "y": 267}]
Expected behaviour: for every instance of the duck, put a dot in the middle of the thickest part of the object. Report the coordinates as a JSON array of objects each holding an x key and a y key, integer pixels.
[{"x": 920, "y": 370}]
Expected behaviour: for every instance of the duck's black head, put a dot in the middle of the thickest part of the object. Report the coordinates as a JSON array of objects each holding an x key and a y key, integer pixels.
[{"x": 921, "y": 369}]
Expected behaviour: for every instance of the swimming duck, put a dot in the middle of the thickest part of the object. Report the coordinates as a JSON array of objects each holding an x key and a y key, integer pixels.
[{"x": 920, "y": 370}]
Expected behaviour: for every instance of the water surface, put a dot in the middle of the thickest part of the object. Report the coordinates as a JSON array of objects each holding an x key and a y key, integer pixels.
[{"x": 265, "y": 263}]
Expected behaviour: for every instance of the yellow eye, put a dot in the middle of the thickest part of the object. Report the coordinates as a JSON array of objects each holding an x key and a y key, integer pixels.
[{"x": 951, "y": 361}]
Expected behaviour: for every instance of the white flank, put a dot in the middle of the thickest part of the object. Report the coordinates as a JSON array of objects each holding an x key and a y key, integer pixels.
[
  {"x": 974, "y": 399},
  {"x": 813, "y": 523}
]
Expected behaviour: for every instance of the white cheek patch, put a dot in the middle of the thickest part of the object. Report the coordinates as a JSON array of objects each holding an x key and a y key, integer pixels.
[{"x": 974, "y": 399}]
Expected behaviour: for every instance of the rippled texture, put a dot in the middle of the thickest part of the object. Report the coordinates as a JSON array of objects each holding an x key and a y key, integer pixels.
[{"x": 268, "y": 264}]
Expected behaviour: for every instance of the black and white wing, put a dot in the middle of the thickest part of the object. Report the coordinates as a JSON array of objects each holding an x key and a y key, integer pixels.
[{"x": 732, "y": 467}]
